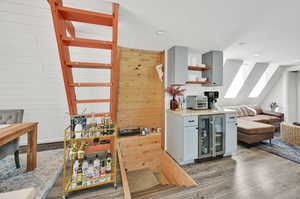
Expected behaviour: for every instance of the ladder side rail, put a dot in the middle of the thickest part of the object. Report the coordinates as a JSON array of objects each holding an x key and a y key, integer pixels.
[
  {"x": 64, "y": 54},
  {"x": 114, "y": 62}
]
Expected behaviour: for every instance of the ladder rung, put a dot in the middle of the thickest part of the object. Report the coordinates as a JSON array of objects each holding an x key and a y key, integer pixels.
[
  {"x": 97, "y": 114},
  {"x": 87, "y": 43},
  {"x": 85, "y": 16},
  {"x": 88, "y": 65},
  {"x": 90, "y": 84},
  {"x": 93, "y": 101}
]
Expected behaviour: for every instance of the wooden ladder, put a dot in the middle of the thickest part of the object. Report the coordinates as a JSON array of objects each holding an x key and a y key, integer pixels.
[{"x": 62, "y": 19}]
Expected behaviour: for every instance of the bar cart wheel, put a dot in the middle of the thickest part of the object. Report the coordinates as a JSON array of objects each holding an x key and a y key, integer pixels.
[{"x": 65, "y": 196}]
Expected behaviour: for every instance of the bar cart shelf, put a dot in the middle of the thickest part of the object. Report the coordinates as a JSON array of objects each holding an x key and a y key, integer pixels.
[{"x": 91, "y": 140}]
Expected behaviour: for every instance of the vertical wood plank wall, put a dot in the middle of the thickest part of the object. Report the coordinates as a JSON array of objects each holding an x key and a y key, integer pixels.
[{"x": 140, "y": 89}]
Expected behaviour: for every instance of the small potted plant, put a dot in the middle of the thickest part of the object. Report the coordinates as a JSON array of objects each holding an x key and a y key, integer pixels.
[
  {"x": 172, "y": 91},
  {"x": 274, "y": 106}
]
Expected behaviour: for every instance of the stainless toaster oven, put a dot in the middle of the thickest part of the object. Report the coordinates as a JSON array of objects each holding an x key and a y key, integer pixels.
[{"x": 196, "y": 102}]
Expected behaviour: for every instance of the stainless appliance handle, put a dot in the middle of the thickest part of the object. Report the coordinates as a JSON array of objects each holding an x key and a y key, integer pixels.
[{"x": 213, "y": 137}]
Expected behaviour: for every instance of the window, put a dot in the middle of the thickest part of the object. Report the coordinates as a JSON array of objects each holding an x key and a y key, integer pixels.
[
  {"x": 262, "y": 82},
  {"x": 239, "y": 80}
]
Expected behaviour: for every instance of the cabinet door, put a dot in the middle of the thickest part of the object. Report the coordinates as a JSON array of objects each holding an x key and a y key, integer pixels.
[
  {"x": 219, "y": 134},
  {"x": 205, "y": 137},
  {"x": 190, "y": 143},
  {"x": 177, "y": 65}
]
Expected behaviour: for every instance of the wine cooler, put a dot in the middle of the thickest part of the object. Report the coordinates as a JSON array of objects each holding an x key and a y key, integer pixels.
[{"x": 211, "y": 136}]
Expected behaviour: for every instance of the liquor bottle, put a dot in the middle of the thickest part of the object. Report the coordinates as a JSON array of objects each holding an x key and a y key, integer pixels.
[
  {"x": 96, "y": 166},
  {"x": 110, "y": 123},
  {"x": 81, "y": 152},
  {"x": 74, "y": 173},
  {"x": 73, "y": 152},
  {"x": 90, "y": 172},
  {"x": 79, "y": 175},
  {"x": 75, "y": 167},
  {"x": 85, "y": 166},
  {"x": 102, "y": 129},
  {"x": 108, "y": 161},
  {"x": 103, "y": 171}
]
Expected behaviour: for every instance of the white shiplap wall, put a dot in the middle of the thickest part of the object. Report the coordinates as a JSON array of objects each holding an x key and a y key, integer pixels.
[{"x": 30, "y": 74}]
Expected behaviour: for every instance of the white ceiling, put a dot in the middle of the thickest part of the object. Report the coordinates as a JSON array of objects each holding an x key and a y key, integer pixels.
[{"x": 269, "y": 28}]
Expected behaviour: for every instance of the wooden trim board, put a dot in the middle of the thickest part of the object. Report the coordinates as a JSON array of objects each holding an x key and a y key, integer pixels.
[{"x": 140, "y": 89}]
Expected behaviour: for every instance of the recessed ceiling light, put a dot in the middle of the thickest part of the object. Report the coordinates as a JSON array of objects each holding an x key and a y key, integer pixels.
[
  {"x": 160, "y": 32},
  {"x": 242, "y": 43},
  {"x": 256, "y": 55}
]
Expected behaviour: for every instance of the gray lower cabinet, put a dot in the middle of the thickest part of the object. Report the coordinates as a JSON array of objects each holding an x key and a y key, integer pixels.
[
  {"x": 182, "y": 137},
  {"x": 190, "y": 148}
]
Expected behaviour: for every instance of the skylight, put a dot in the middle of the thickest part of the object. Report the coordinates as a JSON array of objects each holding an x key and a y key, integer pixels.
[
  {"x": 239, "y": 81},
  {"x": 262, "y": 82}
]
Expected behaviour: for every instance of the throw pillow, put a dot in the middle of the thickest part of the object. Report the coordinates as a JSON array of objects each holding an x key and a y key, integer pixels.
[
  {"x": 238, "y": 110},
  {"x": 251, "y": 111},
  {"x": 244, "y": 110}
]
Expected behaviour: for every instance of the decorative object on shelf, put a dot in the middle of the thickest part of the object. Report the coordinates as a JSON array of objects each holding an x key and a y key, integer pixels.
[
  {"x": 78, "y": 123},
  {"x": 172, "y": 91},
  {"x": 159, "y": 70},
  {"x": 274, "y": 106}
]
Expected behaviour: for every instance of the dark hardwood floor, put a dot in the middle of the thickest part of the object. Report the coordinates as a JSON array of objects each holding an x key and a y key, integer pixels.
[{"x": 249, "y": 174}]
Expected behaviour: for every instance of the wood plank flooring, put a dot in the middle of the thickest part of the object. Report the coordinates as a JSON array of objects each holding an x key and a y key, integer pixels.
[{"x": 249, "y": 174}]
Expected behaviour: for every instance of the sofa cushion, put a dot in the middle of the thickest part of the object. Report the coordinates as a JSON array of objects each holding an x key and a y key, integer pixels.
[
  {"x": 254, "y": 128},
  {"x": 261, "y": 118}
]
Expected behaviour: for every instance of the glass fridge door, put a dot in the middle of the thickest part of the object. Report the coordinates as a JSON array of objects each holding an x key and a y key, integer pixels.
[
  {"x": 204, "y": 137},
  {"x": 219, "y": 134}
]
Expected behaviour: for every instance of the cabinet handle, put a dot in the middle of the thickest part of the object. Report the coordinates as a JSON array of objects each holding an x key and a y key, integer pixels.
[
  {"x": 197, "y": 128},
  {"x": 191, "y": 121}
]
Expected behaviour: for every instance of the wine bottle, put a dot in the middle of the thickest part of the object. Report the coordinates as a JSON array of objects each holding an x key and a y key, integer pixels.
[
  {"x": 79, "y": 175},
  {"x": 85, "y": 166},
  {"x": 96, "y": 166},
  {"x": 103, "y": 171},
  {"x": 90, "y": 173},
  {"x": 108, "y": 161},
  {"x": 81, "y": 152}
]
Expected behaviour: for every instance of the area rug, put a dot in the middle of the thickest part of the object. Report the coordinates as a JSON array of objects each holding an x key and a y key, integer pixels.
[
  {"x": 49, "y": 167},
  {"x": 281, "y": 149}
]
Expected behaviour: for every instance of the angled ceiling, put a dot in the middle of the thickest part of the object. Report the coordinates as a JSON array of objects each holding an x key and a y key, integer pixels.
[{"x": 268, "y": 28}]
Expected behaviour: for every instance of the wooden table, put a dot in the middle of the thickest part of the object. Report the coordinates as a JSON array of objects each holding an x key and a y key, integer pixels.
[{"x": 14, "y": 131}]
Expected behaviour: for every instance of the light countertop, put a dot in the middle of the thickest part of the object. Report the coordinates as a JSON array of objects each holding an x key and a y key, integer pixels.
[{"x": 189, "y": 112}]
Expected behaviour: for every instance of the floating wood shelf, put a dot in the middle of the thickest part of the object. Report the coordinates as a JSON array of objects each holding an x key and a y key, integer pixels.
[
  {"x": 92, "y": 101},
  {"x": 198, "y": 68},
  {"x": 197, "y": 82},
  {"x": 90, "y": 84},
  {"x": 88, "y": 65},
  {"x": 73, "y": 14},
  {"x": 87, "y": 43}
]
